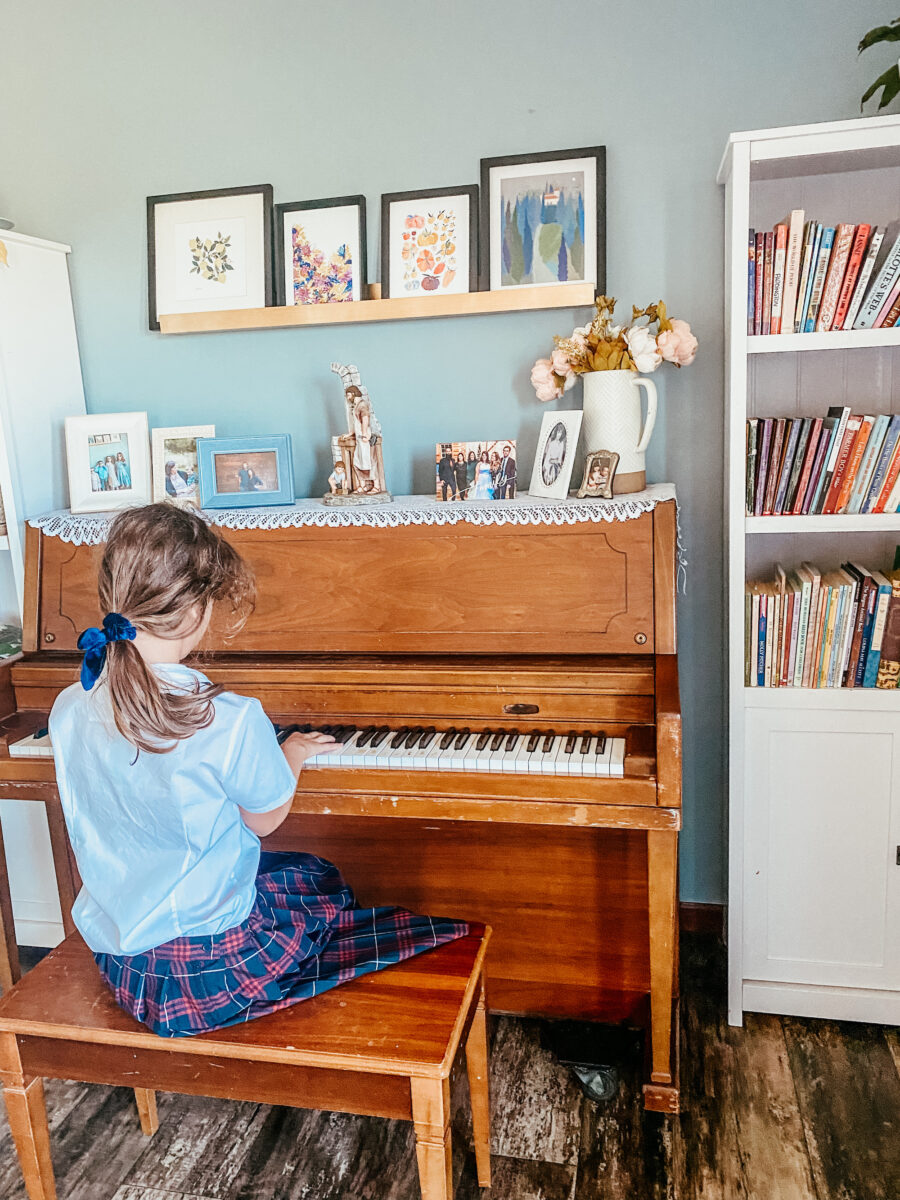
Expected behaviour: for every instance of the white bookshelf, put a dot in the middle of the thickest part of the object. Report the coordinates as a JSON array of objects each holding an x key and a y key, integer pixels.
[{"x": 814, "y": 775}]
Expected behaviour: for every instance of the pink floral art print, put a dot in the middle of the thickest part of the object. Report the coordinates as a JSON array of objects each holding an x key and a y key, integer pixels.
[
  {"x": 318, "y": 279},
  {"x": 321, "y": 251}
]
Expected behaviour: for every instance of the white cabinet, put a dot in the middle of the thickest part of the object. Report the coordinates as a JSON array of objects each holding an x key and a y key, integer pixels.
[{"x": 40, "y": 385}]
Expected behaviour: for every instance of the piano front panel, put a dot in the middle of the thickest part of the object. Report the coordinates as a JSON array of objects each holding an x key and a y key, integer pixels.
[{"x": 533, "y": 589}]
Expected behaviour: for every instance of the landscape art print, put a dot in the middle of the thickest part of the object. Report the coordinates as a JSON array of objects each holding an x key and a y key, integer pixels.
[{"x": 321, "y": 257}]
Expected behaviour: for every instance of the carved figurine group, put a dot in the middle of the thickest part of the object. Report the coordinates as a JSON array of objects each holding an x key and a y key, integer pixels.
[{"x": 357, "y": 476}]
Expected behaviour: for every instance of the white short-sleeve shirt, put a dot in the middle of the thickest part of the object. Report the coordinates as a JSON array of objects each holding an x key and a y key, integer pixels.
[{"x": 160, "y": 844}]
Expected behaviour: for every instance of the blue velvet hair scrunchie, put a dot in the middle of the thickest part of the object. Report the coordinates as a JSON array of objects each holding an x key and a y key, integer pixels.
[{"x": 94, "y": 641}]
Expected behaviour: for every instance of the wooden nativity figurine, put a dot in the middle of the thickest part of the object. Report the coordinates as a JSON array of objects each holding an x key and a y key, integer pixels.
[{"x": 360, "y": 455}]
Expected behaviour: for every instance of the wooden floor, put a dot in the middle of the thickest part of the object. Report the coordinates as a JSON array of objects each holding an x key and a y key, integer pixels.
[{"x": 783, "y": 1109}]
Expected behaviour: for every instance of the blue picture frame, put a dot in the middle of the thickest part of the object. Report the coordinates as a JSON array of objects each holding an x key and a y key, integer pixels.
[{"x": 240, "y": 472}]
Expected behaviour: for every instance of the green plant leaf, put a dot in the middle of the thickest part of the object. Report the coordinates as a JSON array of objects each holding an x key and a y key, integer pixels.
[
  {"x": 882, "y": 33},
  {"x": 890, "y": 82}
]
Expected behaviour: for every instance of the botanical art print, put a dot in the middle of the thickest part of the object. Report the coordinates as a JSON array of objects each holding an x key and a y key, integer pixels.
[
  {"x": 429, "y": 242},
  {"x": 321, "y": 246},
  {"x": 320, "y": 277},
  {"x": 429, "y": 250},
  {"x": 542, "y": 224},
  {"x": 209, "y": 257}
]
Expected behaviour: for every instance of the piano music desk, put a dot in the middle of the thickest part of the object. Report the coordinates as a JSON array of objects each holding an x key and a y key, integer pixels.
[{"x": 571, "y": 628}]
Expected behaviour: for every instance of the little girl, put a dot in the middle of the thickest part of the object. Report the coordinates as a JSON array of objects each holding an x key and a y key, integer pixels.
[{"x": 167, "y": 784}]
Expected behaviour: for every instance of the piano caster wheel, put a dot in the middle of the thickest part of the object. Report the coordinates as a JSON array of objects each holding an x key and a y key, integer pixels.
[{"x": 598, "y": 1082}]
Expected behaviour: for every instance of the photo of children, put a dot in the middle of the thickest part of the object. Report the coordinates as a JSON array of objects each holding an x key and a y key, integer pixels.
[
  {"x": 475, "y": 470},
  {"x": 182, "y": 477},
  {"x": 256, "y": 471},
  {"x": 109, "y": 462}
]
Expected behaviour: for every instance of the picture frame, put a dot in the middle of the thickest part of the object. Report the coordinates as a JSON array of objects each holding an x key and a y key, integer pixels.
[
  {"x": 246, "y": 472},
  {"x": 527, "y": 186},
  {"x": 484, "y": 470},
  {"x": 555, "y": 455},
  {"x": 209, "y": 251},
  {"x": 599, "y": 473},
  {"x": 335, "y": 232},
  {"x": 178, "y": 483},
  {"x": 108, "y": 461},
  {"x": 443, "y": 222}
]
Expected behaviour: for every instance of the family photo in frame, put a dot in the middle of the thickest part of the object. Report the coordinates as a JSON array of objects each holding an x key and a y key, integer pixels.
[{"x": 475, "y": 470}]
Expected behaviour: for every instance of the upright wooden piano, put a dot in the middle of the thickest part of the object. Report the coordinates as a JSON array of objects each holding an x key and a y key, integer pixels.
[{"x": 567, "y": 845}]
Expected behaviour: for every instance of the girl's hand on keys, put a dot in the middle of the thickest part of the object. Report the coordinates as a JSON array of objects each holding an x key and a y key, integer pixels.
[{"x": 301, "y": 746}]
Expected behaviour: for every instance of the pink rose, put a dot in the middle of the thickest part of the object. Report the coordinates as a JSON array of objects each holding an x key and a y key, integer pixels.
[
  {"x": 678, "y": 345},
  {"x": 560, "y": 362},
  {"x": 542, "y": 380}
]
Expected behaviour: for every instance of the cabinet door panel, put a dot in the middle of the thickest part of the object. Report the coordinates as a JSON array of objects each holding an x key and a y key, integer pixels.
[{"x": 822, "y": 825}]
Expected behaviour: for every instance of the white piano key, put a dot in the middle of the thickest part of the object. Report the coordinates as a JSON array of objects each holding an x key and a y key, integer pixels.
[
  {"x": 507, "y": 762},
  {"x": 589, "y": 760},
  {"x": 617, "y": 757},
  {"x": 548, "y": 759},
  {"x": 534, "y": 759},
  {"x": 479, "y": 760},
  {"x": 458, "y": 759}
]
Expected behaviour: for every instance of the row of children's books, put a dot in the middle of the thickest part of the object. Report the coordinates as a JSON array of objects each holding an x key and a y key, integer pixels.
[
  {"x": 814, "y": 630},
  {"x": 806, "y": 277},
  {"x": 840, "y": 463}
]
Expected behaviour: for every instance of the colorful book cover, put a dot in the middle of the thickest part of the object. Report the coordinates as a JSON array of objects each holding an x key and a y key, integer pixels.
[
  {"x": 882, "y": 603},
  {"x": 883, "y": 275},
  {"x": 823, "y": 258},
  {"x": 892, "y": 315},
  {"x": 834, "y": 278},
  {"x": 762, "y": 466},
  {"x": 868, "y": 464},
  {"x": 768, "y": 270},
  {"x": 809, "y": 458},
  {"x": 791, "y": 436},
  {"x": 774, "y": 468},
  {"x": 842, "y": 416},
  {"x": 893, "y": 500},
  {"x": 805, "y": 582},
  {"x": 806, "y": 424},
  {"x": 792, "y": 269},
  {"x": 826, "y": 433},
  {"x": 778, "y": 265},
  {"x": 890, "y": 479},
  {"x": 883, "y": 464},
  {"x": 861, "y": 578},
  {"x": 884, "y": 317},
  {"x": 830, "y": 597},
  {"x": 815, "y": 618},
  {"x": 752, "y": 427},
  {"x": 845, "y": 477},
  {"x": 761, "y": 641},
  {"x": 760, "y": 257},
  {"x": 851, "y": 275},
  {"x": 751, "y": 280},
  {"x": 889, "y": 662},
  {"x": 865, "y": 274},
  {"x": 749, "y": 676},
  {"x": 813, "y": 230}
]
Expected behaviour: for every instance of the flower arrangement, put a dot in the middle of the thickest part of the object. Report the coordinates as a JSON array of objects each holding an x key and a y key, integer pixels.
[{"x": 603, "y": 346}]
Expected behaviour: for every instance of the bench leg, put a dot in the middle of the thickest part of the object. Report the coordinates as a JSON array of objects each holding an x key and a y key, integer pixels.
[
  {"x": 146, "y": 1104},
  {"x": 479, "y": 1096},
  {"x": 27, "y": 1113},
  {"x": 431, "y": 1118}
]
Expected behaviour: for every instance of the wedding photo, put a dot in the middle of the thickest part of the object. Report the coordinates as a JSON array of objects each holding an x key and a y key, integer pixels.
[
  {"x": 475, "y": 470},
  {"x": 254, "y": 471}
]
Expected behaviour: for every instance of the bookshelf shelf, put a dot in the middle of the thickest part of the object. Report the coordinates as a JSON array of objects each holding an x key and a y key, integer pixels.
[
  {"x": 850, "y": 339},
  {"x": 823, "y": 699},
  {"x": 840, "y": 523}
]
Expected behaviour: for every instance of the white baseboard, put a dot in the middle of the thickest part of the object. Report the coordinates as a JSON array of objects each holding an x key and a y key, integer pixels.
[{"x": 829, "y": 1003}]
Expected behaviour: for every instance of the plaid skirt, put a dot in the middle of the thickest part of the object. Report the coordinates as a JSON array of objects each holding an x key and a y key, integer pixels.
[{"x": 304, "y": 935}]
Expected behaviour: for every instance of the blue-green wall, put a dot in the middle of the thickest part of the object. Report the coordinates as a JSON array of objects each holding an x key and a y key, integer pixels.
[{"x": 103, "y": 103}]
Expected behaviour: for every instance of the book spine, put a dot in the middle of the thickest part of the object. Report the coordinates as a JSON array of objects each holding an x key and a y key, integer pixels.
[
  {"x": 778, "y": 266},
  {"x": 854, "y": 265},
  {"x": 815, "y": 645},
  {"x": 762, "y": 466},
  {"x": 812, "y": 637},
  {"x": 768, "y": 268},
  {"x": 818, "y": 468},
  {"x": 772, "y": 617},
  {"x": 879, "y": 290},
  {"x": 749, "y": 676},
  {"x": 834, "y": 280},
  {"x": 890, "y": 300},
  {"x": 858, "y": 623},
  {"x": 792, "y": 270},
  {"x": 889, "y": 663},
  {"x": 831, "y": 612},
  {"x": 803, "y": 630},
  {"x": 842, "y": 416},
  {"x": 812, "y": 445},
  {"x": 869, "y": 463},
  {"x": 845, "y": 481},
  {"x": 871, "y": 599},
  {"x": 865, "y": 275},
  {"x": 813, "y": 232},
  {"x": 752, "y": 430},
  {"x": 760, "y": 258},
  {"x": 792, "y": 434},
  {"x": 751, "y": 280},
  {"x": 893, "y": 314},
  {"x": 761, "y": 643},
  {"x": 796, "y": 603},
  {"x": 882, "y": 466},
  {"x": 851, "y": 603},
  {"x": 893, "y": 500},
  {"x": 789, "y": 645},
  {"x": 890, "y": 479},
  {"x": 881, "y": 607},
  {"x": 774, "y": 465},
  {"x": 822, "y": 261},
  {"x": 797, "y": 464}
]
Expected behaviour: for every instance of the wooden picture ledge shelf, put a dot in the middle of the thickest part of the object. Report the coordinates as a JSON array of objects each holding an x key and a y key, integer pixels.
[{"x": 401, "y": 308}]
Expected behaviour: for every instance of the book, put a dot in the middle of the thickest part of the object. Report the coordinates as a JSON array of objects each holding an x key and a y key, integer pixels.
[
  {"x": 810, "y": 239},
  {"x": 830, "y": 594},
  {"x": 851, "y": 433},
  {"x": 865, "y": 274},
  {"x": 815, "y": 648},
  {"x": 759, "y": 257},
  {"x": 889, "y": 661},
  {"x": 812, "y": 445},
  {"x": 887, "y": 304},
  {"x": 844, "y": 479},
  {"x": 778, "y": 261},
  {"x": 792, "y": 429},
  {"x": 893, "y": 500},
  {"x": 890, "y": 479},
  {"x": 823, "y": 258},
  {"x": 883, "y": 464},
  {"x": 792, "y": 266},
  {"x": 774, "y": 467},
  {"x": 805, "y": 582},
  {"x": 751, "y": 280},
  {"x": 799, "y": 458},
  {"x": 762, "y": 466},
  {"x": 768, "y": 271},
  {"x": 807, "y": 570},
  {"x": 892, "y": 314},
  {"x": 758, "y": 627},
  {"x": 841, "y": 417},
  {"x": 862, "y": 578},
  {"x": 854, "y": 266},
  {"x": 752, "y": 427},
  {"x": 834, "y": 278},
  {"x": 795, "y": 593},
  {"x": 826, "y": 433},
  {"x": 882, "y": 603},
  {"x": 884, "y": 273},
  {"x": 749, "y": 676},
  {"x": 868, "y": 463}
]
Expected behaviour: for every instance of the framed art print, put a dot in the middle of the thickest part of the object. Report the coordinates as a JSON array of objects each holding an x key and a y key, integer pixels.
[
  {"x": 246, "y": 472},
  {"x": 543, "y": 219},
  {"x": 176, "y": 469},
  {"x": 320, "y": 250},
  {"x": 209, "y": 251},
  {"x": 429, "y": 242},
  {"x": 108, "y": 458},
  {"x": 555, "y": 455}
]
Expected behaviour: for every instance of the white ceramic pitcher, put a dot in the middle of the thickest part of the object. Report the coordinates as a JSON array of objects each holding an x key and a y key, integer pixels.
[{"x": 613, "y": 421}]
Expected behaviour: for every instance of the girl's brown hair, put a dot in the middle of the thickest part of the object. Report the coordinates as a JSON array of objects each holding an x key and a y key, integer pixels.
[{"x": 162, "y": 568}]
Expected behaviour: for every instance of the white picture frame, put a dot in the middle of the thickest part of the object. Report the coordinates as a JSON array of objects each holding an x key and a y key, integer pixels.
[
  {"x": 556, "y": 454},
  {"x": 169, "y": 444},
  {"x": 108, "y": 461}
]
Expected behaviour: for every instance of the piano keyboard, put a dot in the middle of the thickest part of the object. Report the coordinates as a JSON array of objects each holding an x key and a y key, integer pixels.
[
  {"x": 505, "y": 750},
  {"x": 427, "y": 749}
]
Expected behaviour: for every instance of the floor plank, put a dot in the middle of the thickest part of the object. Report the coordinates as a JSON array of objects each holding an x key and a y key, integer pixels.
[
  {"x": 519, "y": 1179},
  {"x": 129, "y": 1192},
  {"x": 849, "y": 1097},
  {"x": 893, "y": 1042}
]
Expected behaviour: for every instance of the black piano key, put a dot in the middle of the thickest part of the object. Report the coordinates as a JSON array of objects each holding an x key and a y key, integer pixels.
[
  {"x": 571, "y": 739},
  {"x": 549, "y": 738},
  {"x": 532, "y": 744},
  {"x": 337, "y": 732},
  {"x": 512, "y": 741},
  {"x": 399, "y": 737},
  {"x": 447, "y": 739},
  {"x": 586, "y": 743},
  {"x": 461, "y": 738},
  {"x": 498, "y": 740},
  {"x": 380, "y": 734},
  {"x": 328, "y": 730},
  {"x": 413, "y": 738},
  {"x": 282, "y": 732},
  {"x": 428, "y": 736},
  {"x": 348, "y": 732},
  {"x": 484, "y": 738},
  {"x": 365, "y": 737},
  {"x": 601, "y": 742}
]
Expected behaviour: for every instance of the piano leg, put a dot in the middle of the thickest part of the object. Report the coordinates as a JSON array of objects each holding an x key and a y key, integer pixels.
[
  {"x": 10, "y": 969},
  {"x": 62, "y": 862},
  {"x": 661, "y": 1093}
]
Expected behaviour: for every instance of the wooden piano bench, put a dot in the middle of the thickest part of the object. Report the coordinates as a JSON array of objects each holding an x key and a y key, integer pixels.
[{"x": 380, "y": 1045}]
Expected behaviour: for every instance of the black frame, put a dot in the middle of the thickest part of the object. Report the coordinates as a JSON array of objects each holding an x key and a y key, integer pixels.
[
  {"x": 328, "y": 202},
  {"x": 264, "y": 189},
  {"x": 511, "y": 160},
  {"x": 389, "y": 198}
]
